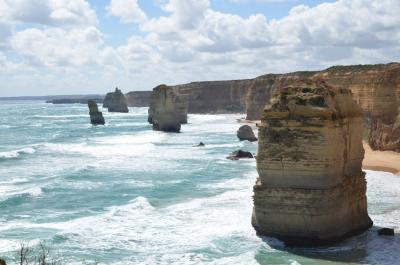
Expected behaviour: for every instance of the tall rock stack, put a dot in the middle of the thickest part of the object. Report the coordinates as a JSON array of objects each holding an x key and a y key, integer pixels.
[
  {"x": 311, "y": 189},
  {"x": 168, "y": 109},
  {"x": 115, "y": 102},
  {"x": 96, "y": 117}
]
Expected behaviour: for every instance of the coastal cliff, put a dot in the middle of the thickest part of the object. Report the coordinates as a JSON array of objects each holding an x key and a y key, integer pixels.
[
  {"x": 115, "y": 102},
  {"x": 168, "y": 109},
  {"x": 215, "y": 96},
  {"x": 138, "y": 98},
  {"x": 311, "y": 189}
]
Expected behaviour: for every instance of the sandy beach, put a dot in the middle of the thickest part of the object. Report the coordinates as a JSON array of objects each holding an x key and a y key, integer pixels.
[{"x": 388, "y": 161}]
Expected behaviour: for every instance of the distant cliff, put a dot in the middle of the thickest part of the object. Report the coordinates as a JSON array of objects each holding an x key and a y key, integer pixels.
[
  {"x": 138, "y": 98},
  {"x": 216, "y": 96}
]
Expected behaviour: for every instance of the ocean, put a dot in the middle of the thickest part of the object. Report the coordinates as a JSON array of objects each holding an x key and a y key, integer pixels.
[{"x": 124, "y": 194}]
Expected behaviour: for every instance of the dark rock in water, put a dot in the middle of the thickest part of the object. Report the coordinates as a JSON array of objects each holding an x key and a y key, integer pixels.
[
  {"x": 96, "y": 117},
  {"x": 115, "y": 102},
  {"x": 386, "y": 232},
  {"x": 240, "y": 154},
  {"x": 3, "y": 262},
  {"x": 201, "y": 144},
  {"x": 246, "y": 133}
]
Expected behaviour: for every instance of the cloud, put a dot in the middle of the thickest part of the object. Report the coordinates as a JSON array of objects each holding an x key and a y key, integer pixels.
[
  {"x": 128, "y": 11},
  {"x": 56, "y": 47},
  {"x": 192, "y": 41},
  {"x": 48, "y": 12}
]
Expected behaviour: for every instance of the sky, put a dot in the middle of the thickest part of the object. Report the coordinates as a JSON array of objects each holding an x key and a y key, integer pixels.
[{"x": 53, "y": 47}]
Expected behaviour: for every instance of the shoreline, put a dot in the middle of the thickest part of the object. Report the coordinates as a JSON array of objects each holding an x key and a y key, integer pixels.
[{"x": 387, "y": 161}]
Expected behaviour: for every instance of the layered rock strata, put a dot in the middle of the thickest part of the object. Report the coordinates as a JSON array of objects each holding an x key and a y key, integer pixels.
[
  {"x": 168, "y": 109},
  {"x": 311, "y": 189},
  {"x": 115, "y": 102},
  {"x": 96, "y": 117}
]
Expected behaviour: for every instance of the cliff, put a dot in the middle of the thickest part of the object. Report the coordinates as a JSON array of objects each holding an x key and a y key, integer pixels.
[
  {"x": 215, "y": 96},
  {"x": 138, "y": 98},
  {"x": 115, "y": 102},
  {"x": 168, "y": 109},
  {"x": 311, "y": 189}
]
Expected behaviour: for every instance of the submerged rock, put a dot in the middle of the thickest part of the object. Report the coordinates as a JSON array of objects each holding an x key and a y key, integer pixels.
[
  {"x": 311, "y": 189},
  {"x": 96, "y": 117},
  {"x": 386, "y": 232},
  {"x": 115, "y": 102},
  {"x": 240, "y": 154},
  {"x": 245, "y": 132},
  {"x": 168, "y": 109}
]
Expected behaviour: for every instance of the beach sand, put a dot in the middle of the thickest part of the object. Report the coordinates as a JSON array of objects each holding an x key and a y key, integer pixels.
[{"x": 388, "y": 161}]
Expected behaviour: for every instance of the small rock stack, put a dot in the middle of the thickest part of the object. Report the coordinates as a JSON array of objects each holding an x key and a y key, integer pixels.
[
  {"x": 311, "y": 189},
  {"x": 96, "y": 117},
  {"x": 168, "y": 109},
  {"x": 115, "y": 102}
]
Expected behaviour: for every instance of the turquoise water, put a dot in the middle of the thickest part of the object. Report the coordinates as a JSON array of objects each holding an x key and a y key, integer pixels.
[{"x": 123, "y": 194}]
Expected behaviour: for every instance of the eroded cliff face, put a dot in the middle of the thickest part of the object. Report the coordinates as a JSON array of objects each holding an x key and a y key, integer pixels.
[
  {"x": 168, "y": 109},
  {"x": 215, "y": 96},
  {"x": 138, "y": 98},
  {"x": 385, "y": 135},
  {"x": 311, "y": 189}
]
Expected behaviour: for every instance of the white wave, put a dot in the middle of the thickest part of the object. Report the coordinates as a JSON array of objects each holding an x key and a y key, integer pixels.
[
  {"x": 100, "y": 150},
  {"x": 61, "y": 116},
  {"x": 17, "y": 153}
]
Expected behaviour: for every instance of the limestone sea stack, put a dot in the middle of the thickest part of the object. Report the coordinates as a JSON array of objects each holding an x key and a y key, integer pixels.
[
  {"x": 96, "y": 117},
  {"x": 245, "y": 132},
  {"x": 311, "y": 189},
  {"x": 168, "y": 109},
  {"x": 115, "y": 102}
]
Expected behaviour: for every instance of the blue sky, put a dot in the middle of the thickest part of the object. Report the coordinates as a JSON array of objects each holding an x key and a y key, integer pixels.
[{"x": 90, "y": 46}]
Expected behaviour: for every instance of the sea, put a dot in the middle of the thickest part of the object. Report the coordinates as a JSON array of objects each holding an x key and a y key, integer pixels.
[{"x": 125, "y": 194}]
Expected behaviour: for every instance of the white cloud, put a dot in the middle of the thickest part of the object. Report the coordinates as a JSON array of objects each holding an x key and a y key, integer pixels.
[
  {"x": 191, "y": 41},
  {"x": 128, "y": 11},
  {"x": 56, "y": 47},
  {"x": 48, "y": 12}
]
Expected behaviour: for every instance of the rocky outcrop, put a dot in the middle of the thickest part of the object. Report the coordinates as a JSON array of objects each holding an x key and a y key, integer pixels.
[
  {"x": 138, "y": 98},
  {"x": 240, "y": 154},
  {"x": 245, "y": 132},
  {"x": 115, "y": 102},
  {"x": 96, "y": 117},
  {"x": 168, "y": 109},
  {"x": 384, "y": 136},
  {"x": 311, "y": 189}
]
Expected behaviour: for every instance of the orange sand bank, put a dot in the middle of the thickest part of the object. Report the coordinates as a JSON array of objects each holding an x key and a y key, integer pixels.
[{"x": 381, "y": 160}]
